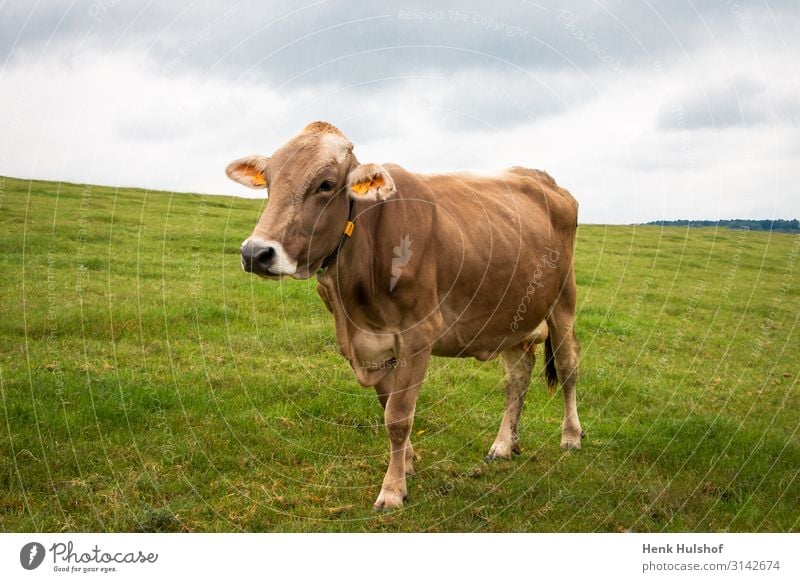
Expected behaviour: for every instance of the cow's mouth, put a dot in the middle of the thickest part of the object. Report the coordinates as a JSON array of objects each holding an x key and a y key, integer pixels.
[
  {"x": 269, "y": 275},
  {"x": 264, "y": 273}
]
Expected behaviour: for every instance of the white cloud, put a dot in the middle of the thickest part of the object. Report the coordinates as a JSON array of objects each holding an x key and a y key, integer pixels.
[
  {"x": 633, "y": 144},
  {"x": 113, "y": 120}
]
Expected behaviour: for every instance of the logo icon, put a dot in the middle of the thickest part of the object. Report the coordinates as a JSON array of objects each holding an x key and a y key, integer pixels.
[
  {"x": 31, "y": 555},
  {"x": 402, "y": 254}
]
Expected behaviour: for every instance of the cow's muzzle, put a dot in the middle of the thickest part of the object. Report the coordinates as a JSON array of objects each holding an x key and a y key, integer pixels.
[{"x": 266, "y": 258}]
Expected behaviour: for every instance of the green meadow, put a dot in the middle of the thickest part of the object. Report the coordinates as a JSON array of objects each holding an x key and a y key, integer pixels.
[{"x": 148, "y": 384}]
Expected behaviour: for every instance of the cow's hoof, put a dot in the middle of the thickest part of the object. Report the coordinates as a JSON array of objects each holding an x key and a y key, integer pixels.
[
  {"x": 502, "y": 451},
  {"x": 388, "y": 500},
  {"x": 495, "y": 456},
  {"x": 571, "y": 443}
]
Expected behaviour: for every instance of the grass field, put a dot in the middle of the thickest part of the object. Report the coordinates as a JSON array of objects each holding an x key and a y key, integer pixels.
[{"x": 148, "y": 384}]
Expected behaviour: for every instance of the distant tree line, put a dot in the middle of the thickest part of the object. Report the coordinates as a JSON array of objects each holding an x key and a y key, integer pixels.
[{"x": 737, "y": 223}]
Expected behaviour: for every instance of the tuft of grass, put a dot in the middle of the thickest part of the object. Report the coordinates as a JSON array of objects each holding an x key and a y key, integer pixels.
[{"x": 147, "y": 384}]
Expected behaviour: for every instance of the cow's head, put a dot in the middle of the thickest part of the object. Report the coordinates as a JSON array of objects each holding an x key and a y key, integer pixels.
[{"x": 309, "y": 179}]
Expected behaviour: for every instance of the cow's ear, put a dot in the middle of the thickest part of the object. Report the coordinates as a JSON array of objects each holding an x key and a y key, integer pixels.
[
  {"x": 370, "y": 182},
  {"x": 250, "y": 171}
]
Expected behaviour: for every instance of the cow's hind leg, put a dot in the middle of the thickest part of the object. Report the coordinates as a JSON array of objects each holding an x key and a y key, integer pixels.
[
  {"x": 566, "y": 350},
  {"x": 519, "y": 365},
  {"x": 384, "y": 389}
]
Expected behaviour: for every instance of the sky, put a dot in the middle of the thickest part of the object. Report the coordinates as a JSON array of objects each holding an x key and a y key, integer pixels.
[{"x": 643, "y": 110}]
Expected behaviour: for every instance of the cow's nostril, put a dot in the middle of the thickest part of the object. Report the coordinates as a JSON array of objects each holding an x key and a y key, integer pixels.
[{"x": 265, "y": 256}]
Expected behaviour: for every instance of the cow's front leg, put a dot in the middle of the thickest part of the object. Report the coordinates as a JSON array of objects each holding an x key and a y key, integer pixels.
[
  {"x": 399, "y": 418},
  {"x": 384, "y": 389}
]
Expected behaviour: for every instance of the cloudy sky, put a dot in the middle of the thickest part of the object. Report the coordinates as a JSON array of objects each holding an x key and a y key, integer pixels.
[{"x": 644, "y": 110}]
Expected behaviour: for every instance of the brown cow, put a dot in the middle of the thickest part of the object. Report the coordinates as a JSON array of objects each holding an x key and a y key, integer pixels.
[{"x": 415, "y": 265}]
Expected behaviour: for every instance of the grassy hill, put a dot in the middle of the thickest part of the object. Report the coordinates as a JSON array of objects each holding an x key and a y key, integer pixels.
[{"x": 148, "y": 384}]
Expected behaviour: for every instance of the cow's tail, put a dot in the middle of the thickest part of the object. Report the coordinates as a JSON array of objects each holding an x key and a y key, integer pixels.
[{"x": 550, "y": 366}]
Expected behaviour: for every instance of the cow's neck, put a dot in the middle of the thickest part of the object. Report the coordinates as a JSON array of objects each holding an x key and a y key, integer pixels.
[
  {"x": 353, "y": 275},
  {"x": 348, "y": 231}
]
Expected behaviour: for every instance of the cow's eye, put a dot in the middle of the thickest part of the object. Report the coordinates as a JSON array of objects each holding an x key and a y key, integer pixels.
[{"x": 326, "y": 186}]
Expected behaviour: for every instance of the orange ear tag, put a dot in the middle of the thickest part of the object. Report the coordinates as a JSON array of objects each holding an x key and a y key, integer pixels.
[
  {"x": 360, "y": 188},
  {"x": 348, "y": 228},
  {"x": 258, "y": 180}
]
